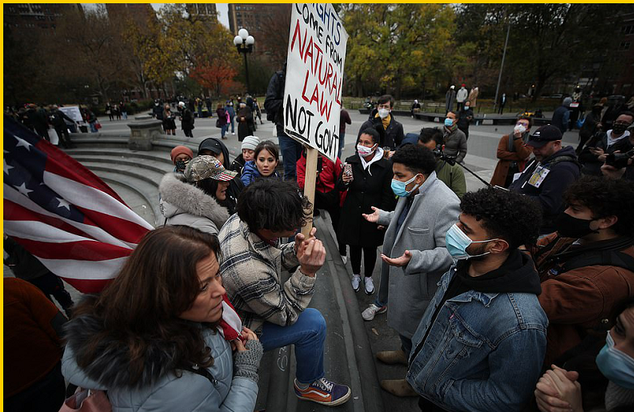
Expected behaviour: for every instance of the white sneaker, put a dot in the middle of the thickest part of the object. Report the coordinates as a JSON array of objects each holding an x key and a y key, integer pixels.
[
  {"x": 373, "y": 310},
  {"x": 369, "y": 286},
  {"x": 356, "y": 282},
  {"x": 344, "y": 259},
  {"x": 233, "y": 133}
]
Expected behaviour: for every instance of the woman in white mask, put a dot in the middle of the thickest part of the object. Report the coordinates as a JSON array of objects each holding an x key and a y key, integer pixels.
[
  {"x": 559, "y": 389},
  {"x": 367, "y": 184}
]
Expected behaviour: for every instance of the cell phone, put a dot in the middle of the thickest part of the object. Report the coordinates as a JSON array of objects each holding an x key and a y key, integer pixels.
[{"x": 347, "y": 169}]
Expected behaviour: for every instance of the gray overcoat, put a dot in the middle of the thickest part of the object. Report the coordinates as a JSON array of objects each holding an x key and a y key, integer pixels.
[{"x": 434, "y": 209}]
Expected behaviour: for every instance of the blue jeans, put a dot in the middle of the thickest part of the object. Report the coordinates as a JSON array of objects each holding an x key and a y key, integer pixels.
[
  {"x": 93, "y": 128},
  {"x": 341, "y": 144},
  {"x": 291, "y": 152},
  {"x": 308, "y": 335},
  {"x": 233, "y": 130},
  {"x": 406, "y": 344},
  {"x": 223, "y": 130}
]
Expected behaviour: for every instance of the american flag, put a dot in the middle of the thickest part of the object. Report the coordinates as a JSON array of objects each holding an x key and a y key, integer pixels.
[
  {"x": 63, "y": 214},
  {"x": 68, "y": 218}
]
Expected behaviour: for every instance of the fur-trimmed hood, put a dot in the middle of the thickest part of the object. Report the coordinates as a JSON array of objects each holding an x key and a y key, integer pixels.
[
  {"x": 110, "y": 369},
  {"x": 183, "y": 203}
]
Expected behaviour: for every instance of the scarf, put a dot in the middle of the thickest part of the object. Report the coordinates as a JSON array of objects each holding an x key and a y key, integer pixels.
[
  {"x": 386, "y": 121},
  {"x": 378, "y": 155}
]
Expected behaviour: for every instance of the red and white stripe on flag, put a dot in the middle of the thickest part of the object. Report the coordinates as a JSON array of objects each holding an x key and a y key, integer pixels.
[{"x": 63, "y": 214}]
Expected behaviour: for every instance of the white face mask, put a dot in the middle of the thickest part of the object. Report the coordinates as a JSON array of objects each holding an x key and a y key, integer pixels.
[
  {"x": 519, "y": 128},
  {"x": 383, "y": 113},
  {"x": 365, "y": 151}
]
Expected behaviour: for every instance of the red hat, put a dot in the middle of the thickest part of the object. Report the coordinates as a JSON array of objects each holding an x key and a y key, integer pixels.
[
  {"x": 180, "y": 150},
  {"x": 463, "y": 85}
]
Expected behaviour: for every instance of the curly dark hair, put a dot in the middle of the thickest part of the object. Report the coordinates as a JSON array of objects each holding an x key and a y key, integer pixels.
[
  {"x": 505, "y": 215},
  {"x": 274, "y": 205},
  {"x": 605, "y": 197},
  {"x": 416, "y": 159},
  {"x": 142, "y": 305}
]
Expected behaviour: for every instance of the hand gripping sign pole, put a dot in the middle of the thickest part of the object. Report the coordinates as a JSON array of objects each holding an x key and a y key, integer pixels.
[{"x": 312, "y": 92}]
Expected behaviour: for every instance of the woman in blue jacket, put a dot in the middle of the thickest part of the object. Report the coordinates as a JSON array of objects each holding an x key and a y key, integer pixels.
[
  {"x": 265, "y": 162},
  {"x": 151, "y": 339}
]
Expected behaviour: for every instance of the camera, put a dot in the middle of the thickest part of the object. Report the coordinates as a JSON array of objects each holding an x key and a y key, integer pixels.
[
  {"x": 442, "y": 156},
  {"x": 618, "y": 160}
]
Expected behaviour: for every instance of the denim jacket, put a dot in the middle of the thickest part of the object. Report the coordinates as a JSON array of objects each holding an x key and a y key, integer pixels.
[{"x": 484, "y": 351}]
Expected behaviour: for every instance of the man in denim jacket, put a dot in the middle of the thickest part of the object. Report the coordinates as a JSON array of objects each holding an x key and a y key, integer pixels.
[{"x": 481, "y": 342}]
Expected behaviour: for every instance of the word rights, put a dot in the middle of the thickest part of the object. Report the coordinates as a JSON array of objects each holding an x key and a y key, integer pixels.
[{"x": 314, "y": 77}]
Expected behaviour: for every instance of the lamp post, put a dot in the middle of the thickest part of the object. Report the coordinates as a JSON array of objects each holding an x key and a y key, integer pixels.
[{"x": 244, "y": 44}]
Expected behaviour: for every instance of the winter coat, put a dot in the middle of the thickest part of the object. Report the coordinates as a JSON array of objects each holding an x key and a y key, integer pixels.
[
  {"x": 579, "y": 301},
  {"x": 519, "y": 155},
  {"x": 161, "y": 390},
  {"x": 369, "y": 188},
  {"x": 390, "y": 137},
  {"x": 222, "y": 116},
  {"x": 473, "y": 97},
  {"x": 250, "y": 173},
  {"x": 450, "y": 98},
  {"x": 464, "y": 119},
  {"x": 238, "y": 164},
  {"x": 246, "y": 126},
  {"x": 274, "y": 101},
  {"x": 564, "y": 170},
  {"x": 561, "y": 116},
  {"x": 482, "y": 349},
  {"x": 168, "y": 120},
  {"x": 462, "y": 94},
  {"x": 590, "y": 162},
  {"x": 453, "y": 176},
  {"x": 184, "y": 204},
  {"x": 455, "y": 144},
  {"x": 327, "y": 193},
  {"x": 433, "y": 211},
  {"x": 187, "y": 119},
  {"x": 252, "y": 276}
]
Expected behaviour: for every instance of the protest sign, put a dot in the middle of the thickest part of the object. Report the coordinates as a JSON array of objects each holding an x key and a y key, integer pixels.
[
  {"x": 72, "y": 112},
  {"x": 314, "y": 77}
]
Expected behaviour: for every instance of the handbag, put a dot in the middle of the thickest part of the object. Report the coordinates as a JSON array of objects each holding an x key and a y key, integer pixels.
[
  {"x": 218, "y": 125},
  {"x": 87, "y": 400},
  {"x": 97, "y": 125}
]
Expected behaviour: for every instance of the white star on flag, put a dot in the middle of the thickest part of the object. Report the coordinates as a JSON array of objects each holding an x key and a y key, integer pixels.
[
  {"x": 23, "y": 143},
  {"x": 22, "y": 189},
  {"x": 7, "y": 167},
  {"x": 63, "y": 203}
]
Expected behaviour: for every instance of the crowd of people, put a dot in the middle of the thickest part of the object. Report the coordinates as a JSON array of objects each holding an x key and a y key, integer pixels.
[{"x": 518, "y": 296}]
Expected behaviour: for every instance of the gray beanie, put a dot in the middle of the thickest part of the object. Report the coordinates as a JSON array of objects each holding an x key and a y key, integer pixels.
[
  {"x": 567, "y": 101},
  {"x": 250, "y": 142}
]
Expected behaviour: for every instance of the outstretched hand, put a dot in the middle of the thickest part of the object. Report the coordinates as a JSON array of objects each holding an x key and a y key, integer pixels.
[
  {"x": 372, "y": 217},
  {"x": 399, "y": 261}
]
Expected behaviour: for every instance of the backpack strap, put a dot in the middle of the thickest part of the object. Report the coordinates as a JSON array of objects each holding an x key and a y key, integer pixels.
[
  {"x": 600, "y": 258},
  {"x": 202, "y": 372}
]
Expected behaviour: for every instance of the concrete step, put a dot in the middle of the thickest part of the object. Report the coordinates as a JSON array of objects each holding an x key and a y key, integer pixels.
[
  {"x": 137, "y": 165},
  {"x": 159, "y": 158},
  {"x": 141, "y": 181}
]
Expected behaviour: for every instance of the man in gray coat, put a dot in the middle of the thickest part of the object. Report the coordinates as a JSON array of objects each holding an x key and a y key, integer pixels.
[{"x": 414, "y": 254}]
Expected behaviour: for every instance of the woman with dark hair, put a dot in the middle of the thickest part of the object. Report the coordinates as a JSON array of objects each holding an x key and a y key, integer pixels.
[
  {"x": 368, "y": 185},
  {"x": 151, "y": 339},
  {"x": 246, "y": 126},
  {"x": 266, "y": 159},
  {"x": 196, "y": 198},
  {"x": 222, "y": 120}
]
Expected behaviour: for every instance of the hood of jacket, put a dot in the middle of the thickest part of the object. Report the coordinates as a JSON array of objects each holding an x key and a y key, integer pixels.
[
  {"x": 178, "y": 196},
  {"x": 516, "y": 275},
  {"x": 110, "y": 367},
  {"x": 567, "y": 151}
]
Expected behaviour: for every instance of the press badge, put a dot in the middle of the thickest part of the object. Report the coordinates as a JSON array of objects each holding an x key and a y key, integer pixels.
[{"x": 538, "y": 176}]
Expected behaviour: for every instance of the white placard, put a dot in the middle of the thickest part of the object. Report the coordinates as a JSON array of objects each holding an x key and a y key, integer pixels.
[
  {"x": 314, "y": 77},
  {"x": 72, "y": 112}
]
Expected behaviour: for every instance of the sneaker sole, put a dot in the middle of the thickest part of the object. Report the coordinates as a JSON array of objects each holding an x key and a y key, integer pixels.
[
  {"x": 339, "y": 401},
  {"x": 369, "y": 293}
]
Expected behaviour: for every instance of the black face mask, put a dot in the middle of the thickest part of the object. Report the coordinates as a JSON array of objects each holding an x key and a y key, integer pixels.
[
  {"x": 619, "y": 128},
  {"x": 569, "y": 226},
  {"x": 181, "y": 165}
]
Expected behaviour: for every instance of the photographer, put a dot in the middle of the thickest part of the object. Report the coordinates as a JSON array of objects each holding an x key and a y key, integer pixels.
[
  {"x": 619, "y": 165},
  {"x": 447, "y": 170}
]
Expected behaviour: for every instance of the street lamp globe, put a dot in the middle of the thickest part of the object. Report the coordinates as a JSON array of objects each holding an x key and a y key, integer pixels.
[
  {"x": 237, "y": 40},
  {"x": 244, "y": 33},
  {"x": 250, "y": 40}
]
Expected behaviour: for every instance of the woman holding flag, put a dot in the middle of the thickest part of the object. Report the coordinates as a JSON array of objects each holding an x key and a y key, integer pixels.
[{"x": 162, "y": 336}]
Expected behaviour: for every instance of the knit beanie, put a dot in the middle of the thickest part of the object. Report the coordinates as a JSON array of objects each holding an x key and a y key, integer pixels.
[
  {"x": 250, "y": 142},
  {"x": 178, "y": 150}
]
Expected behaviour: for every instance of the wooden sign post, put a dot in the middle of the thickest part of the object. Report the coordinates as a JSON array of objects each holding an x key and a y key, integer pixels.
[{"x": 309, "y": 185}]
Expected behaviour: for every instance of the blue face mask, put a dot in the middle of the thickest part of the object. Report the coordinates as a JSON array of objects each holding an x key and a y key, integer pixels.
[
  {"x": 399, "y": 188},
  {"x": 448, "y": 122},
  {"x": 457, "y": 242},
  {"x": 616, "y": 365}
]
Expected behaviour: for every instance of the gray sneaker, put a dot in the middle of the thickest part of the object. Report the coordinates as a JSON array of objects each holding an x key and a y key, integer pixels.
[{"x": 373, "y": 310}]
